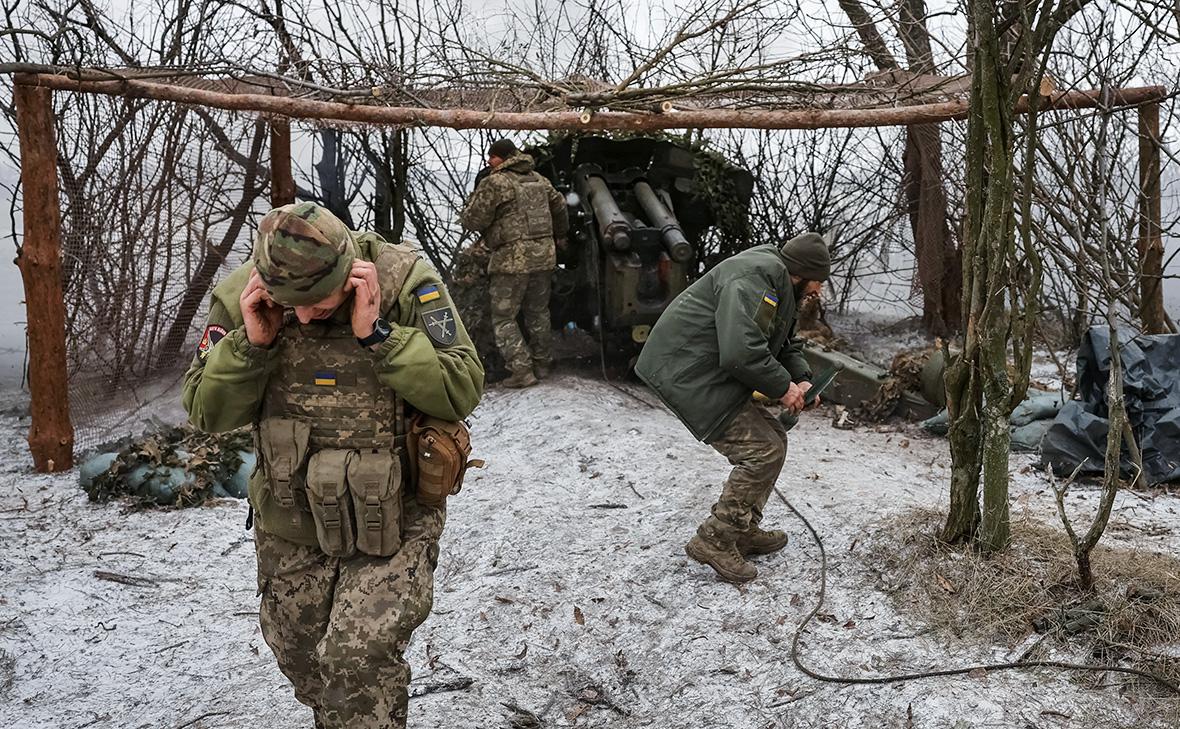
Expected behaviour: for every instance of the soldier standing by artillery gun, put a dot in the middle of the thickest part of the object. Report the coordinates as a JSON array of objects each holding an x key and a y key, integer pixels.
[{"x": 522, "y": 219}]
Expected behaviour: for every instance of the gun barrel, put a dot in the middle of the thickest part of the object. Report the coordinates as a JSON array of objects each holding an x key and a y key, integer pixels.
[
  {"x": 660, "y": 217},
  {"x": 612, "y": 224}
]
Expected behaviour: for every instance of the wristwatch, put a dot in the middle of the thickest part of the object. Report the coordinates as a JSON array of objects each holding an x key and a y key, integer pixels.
[{"x": 381, "y": 332}]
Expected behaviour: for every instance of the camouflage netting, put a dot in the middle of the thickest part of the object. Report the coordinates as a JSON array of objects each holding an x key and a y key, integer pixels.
[
  {"x": 175, "y": 466},
  {"x": 905, "y": 373}
]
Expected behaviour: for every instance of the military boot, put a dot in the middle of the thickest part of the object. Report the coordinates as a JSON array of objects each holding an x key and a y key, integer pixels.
[
  {"x": 520, "y": 380},
  {"x": 542, "y": 369},
  {"x": 708, "y": 547},
  {"x": 761, "y": 541}
]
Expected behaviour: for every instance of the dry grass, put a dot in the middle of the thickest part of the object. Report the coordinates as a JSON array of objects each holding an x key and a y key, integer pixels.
[{"x": 1133, "y": 613}]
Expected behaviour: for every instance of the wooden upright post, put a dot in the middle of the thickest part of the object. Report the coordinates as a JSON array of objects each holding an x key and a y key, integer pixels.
[
  {"x": 1151, "y": 244},
  {"x": 282, "y": 183},
  {"x": 51, "y": 436}
]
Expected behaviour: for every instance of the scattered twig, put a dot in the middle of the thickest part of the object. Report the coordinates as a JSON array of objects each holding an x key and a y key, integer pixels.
[
  {"x": 125, "y": 579},
  {"x": 207, "y": 715},
  {"x": 455, "y": 684},
  {"x": 510, "y": 570}
]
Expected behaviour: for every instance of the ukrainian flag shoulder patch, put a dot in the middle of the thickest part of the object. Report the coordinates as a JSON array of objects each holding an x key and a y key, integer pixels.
[
  {"x": 428, "y": 293},
  {"x": 770, "y": 299},
  {"x": 325, "y": 378}
]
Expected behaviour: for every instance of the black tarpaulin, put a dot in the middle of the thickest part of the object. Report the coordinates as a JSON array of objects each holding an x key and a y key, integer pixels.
[{"x": 1151, "y": 387}]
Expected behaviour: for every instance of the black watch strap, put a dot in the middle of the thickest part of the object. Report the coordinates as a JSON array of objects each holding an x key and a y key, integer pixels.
[{"x": 381, "y": 332}]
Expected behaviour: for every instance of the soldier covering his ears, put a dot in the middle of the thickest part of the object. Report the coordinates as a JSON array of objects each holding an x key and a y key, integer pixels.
[{"x": 332, "y": 343}]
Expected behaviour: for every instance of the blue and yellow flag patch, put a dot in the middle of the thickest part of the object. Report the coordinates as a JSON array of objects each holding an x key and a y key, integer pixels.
[
  {"x": 770, "y": 299},
  {"x": 325, "y": 378},
  {"x": 428, "y": 293}
]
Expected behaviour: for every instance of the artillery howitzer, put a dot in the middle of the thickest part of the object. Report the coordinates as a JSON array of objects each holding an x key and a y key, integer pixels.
[{"x": 646, "y": 217}]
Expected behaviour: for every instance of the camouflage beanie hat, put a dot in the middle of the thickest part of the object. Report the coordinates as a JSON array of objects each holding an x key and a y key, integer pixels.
[
  {"x": 807, "y": 256},
  {"x": 303, "y": 253}
]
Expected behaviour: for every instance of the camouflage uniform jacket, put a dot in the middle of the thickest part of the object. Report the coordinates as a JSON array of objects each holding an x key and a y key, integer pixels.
[
  {"x": 226, "y": 384},
  {"x": 519, "y": 214},
  {"x": 729, "y": 334}
]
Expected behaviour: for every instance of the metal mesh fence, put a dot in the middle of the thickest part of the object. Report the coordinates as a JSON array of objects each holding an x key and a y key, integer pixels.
[{"x": 157, "y": 199}]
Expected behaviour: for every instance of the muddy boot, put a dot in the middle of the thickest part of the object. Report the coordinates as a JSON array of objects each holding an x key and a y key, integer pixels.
[
  {"x": 761, "y": 541},
  {"x": 520, "y": 380},
  {"x": 708, "y": 547},
  {"x": 542, "y": 369}
]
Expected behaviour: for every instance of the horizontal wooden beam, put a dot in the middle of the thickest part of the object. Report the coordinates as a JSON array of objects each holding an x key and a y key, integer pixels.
[{"x": 297, "y": 108}]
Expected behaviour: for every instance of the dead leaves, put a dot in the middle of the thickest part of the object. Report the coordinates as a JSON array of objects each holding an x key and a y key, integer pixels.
[{"x": 945, "y": 584}]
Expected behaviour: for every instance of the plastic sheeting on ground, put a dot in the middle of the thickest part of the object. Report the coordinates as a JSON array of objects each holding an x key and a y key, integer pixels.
[
  {"x": 1029, "y": 421},
  {"x": 1151, "y": 388}
]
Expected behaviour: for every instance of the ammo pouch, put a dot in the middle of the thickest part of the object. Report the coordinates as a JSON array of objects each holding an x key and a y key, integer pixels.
[
  {"x": 438, "y": 451},
  {"x": 331, "y": 508},
  {"x": 375, "y": 482},
  {"x": 282, "y": 443}
]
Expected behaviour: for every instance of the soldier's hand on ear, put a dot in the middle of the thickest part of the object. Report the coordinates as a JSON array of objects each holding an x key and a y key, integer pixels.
[
  {"x": 366, "y": 299},
  {"x": 263, "y": 317}
]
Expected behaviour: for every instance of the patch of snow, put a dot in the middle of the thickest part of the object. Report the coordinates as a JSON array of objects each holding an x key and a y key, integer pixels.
[{"x": 563, "y": 588}]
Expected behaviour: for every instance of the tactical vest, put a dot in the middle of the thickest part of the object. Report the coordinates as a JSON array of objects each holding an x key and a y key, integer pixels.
[
  {"x": 331, "y": 436},
  {"x": 526, "y": 216}
]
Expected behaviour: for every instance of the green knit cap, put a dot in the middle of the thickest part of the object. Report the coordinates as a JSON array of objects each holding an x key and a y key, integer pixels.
[
  {"x": 807, "y": 256},
  {"x": 303, "y": 253}
]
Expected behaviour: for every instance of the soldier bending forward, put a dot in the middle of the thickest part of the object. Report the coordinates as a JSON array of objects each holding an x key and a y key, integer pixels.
[{"x": 728, "y": 335}]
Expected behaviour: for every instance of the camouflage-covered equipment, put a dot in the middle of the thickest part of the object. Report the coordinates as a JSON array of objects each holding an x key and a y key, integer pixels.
[
  {"x": 644, "y": 220},
  {"x": 640, "y": 212}
]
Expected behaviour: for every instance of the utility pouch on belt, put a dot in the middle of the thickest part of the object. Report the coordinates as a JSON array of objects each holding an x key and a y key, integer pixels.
[
  {"x": 283, "y": 444},
  {"x": 375, "y": 480},
  {"x": 331, "y": 509},
  {"x": 438, "y": 453}
]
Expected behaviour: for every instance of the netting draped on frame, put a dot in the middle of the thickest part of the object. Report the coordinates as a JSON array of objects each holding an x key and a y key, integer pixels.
[{"x": 157, "y": 199}]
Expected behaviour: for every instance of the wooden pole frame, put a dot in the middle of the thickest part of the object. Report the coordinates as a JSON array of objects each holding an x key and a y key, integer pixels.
[
  {"x": 568, "y": 120},
  {"x": 1150, "y": 244},
  {"x": 51, "y": 434},
  {"x": 282, "y": 182}
]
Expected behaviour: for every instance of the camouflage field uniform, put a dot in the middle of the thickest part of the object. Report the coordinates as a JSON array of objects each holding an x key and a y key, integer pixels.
[
  {"x": 519, "y": 214},
  {"x": 345, "y": 552},
  {"x": 755, "y": 443}
]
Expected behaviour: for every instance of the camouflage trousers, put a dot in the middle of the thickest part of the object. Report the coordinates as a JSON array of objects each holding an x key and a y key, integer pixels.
[
  {"x": 510, "y": 292},
  {"x": 339, "y": 627},
  {"x": 755, "y": 443}
]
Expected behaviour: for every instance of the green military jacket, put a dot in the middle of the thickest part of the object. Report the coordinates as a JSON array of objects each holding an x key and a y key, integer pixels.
[
  {"x": 225, "y": 384},
  {"x": 518, "y": 214},
  {"x": 728, "y": 335}
]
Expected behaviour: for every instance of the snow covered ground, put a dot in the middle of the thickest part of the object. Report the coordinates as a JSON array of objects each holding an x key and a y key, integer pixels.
[{"x": 563, "y": 589}]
